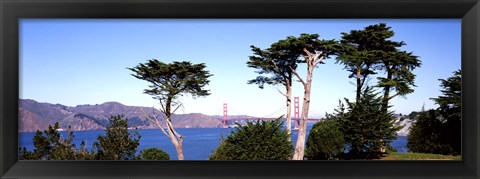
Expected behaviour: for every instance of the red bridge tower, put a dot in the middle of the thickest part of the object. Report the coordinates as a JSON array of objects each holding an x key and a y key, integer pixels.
[
  {"x": 296, "y": 113},
  {"x": 225, "y": 115}
]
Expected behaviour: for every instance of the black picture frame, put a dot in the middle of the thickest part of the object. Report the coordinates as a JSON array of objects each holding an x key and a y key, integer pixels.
[{"x": 13, "y": 10}]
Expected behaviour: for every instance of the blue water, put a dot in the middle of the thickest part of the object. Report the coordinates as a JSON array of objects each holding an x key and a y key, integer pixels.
[{"x": 198, "y": 143}]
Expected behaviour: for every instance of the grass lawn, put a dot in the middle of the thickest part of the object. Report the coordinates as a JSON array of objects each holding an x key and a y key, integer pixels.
[{"x": 418, "y": 156}]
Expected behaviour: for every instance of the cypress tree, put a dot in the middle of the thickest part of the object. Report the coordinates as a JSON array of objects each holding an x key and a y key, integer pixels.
[
  {"x": 275, "y": 66},
  {"x": 167, "y": 83},
  {"x": 439, "y": 131},
  {"x": 366, "y": 127},
  {"x": 117, "y": 143}
]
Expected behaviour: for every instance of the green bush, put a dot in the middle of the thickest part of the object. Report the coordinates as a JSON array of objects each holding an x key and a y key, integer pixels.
[
  {"x": 263, "y": 140},
  {"x": 117, "y": 143},
  {"x": 50, "y": 145},
  {"x": 367, "y": 128},
  {"x": 325, "y": 141},
  {"x": 426, "y": 134},
  {"x": 390, "y": 149},
  {"x": 439, "y": 131},
  {"x": 153, "y": 154}
]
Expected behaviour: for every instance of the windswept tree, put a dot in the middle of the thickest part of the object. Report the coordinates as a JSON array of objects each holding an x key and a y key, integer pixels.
[
  {"x": 400, "y": 79},
  {"x": 167, "y": 83},
  {"x": 275, "y": 66},
  {"x": 397, "y": 64},
  {"x": 313, "y": 51},
  {"x": 450, "y": 101},
  {"x": 357, "y": 54},
  {"x": 365, "y": 52}
]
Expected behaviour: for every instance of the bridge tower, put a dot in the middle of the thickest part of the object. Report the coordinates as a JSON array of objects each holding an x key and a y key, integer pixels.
[
  {"x": 225, "y": 115},
  {"x": 296, "y": 113}
]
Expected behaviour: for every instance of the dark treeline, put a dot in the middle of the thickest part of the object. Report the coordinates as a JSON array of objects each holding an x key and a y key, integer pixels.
[{"x": 439, "y": 130}]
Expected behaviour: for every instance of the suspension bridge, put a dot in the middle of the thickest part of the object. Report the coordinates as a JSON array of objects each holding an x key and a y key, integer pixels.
[{"x": 295, "y": 118}]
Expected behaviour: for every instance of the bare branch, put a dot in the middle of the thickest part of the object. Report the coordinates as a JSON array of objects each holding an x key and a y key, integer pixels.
[
  {"x": 318, "y": 61},
  {"x": 307, "y": 52},
  {"x": 305, "y": 57},
  {"x": 274, "y": 64},
  {"x": 176, "y": 108},
  {"x": 172, "y": 136},
  {"x": 395, "y": 95},
  {"x": 161, "y": 104},
  {"x": 278, "y": 70},
  {"x": 155, "y": 121},
  {"x": 282, "y": 93},
  {"x": 298, "y": 76},
  {"x": 175, "y": 133}
]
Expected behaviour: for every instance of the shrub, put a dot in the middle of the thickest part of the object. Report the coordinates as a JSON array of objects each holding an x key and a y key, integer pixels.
[
  {"x": 153, "y": 154},
  {"x": 325, "y": 141},
  {"x": 426, "y": 134},
  {"x": 390, "y": 149},
  {"x": 440, "y": 131},
  {"x": 118, "y": 143},
  {"x": 367, "y": 128},
  {"x": 263, "y": 140},
  {"x": 50, "y": 145}
]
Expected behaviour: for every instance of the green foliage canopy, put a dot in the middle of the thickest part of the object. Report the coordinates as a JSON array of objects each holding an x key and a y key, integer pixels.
[
  {"x": 170, "y": 81},
  {"x": 450, "y": 101},
  {"x": 365, "y": 52},
  {"x": 440, "y": 131},
  {"x": 358, "y": 52},
  {"x": 50, "y": 145},
  {"x": 365, "y": 126},
  {"x": 426, "y": 134},
  {"x": 277, "y": 64},
  {"x": 263, "y": 140},
  {"x": 117, "y": 143},
  {"x": 283, "y": 56},
  {"x": 153, "y": 154},
  {"x": 325, "y": 141}
]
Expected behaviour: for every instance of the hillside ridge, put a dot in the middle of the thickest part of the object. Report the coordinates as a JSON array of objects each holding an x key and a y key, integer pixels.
[{"x": 35, "y": 116}]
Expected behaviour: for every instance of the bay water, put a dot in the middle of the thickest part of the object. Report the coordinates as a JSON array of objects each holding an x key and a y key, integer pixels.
[{"x": 198, "y": 143}]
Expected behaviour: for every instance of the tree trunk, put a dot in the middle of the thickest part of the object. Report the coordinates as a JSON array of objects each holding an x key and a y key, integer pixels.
[
  {"x": 359, "y": 85},
  {"x": 386, "y": 96},
  {"x": 302, "y": 131},
  {"x": 179, "y": 148},
  {"x": 386, "y": 93},
  {"x": 176, "y": 138},
  {"x": 289, "y": 111}
]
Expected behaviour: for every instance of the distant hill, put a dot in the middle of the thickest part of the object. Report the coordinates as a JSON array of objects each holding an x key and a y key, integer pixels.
[
  {"x": 35, "y": 115},
  {"x": 38, "y": 115}
]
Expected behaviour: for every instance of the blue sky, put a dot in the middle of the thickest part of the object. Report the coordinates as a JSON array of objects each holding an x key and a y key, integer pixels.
[{"x": 75, "y": 62}]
